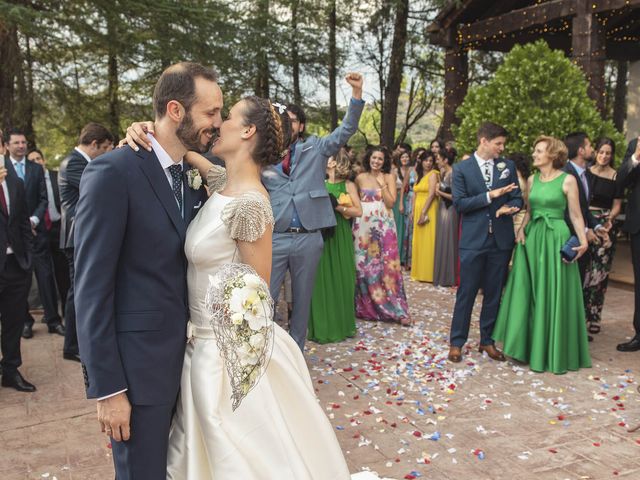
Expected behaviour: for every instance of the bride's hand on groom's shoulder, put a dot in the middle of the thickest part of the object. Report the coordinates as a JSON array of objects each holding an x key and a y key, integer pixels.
[{"x": 137, "y": 135}]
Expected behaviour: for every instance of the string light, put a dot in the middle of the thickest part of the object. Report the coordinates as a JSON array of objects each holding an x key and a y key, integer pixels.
[{"x": 540, "y": 24}]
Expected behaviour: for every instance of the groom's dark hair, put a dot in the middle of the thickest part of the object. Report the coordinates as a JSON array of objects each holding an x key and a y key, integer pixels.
[
  {"x": 178, "y": 82},
  {"x": 490, "y": 130}
]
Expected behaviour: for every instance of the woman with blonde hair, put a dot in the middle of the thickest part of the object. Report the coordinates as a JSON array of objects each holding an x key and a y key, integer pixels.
[
  {"x": 541, "y": 318},
  {"x": 333, "y": 316}
]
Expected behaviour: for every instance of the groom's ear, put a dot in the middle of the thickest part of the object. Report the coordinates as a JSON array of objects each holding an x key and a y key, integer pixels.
[{"x": 175, "y": 111}]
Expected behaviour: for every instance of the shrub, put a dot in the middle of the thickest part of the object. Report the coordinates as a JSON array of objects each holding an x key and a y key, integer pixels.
[{"x": 535, "y": 91}]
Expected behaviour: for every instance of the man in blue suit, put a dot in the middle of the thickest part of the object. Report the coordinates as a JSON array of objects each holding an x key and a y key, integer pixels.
[
  {"x": 131, "y": 289},
  {"x": 301, "y": 206},
  {"x": 486, "y": 194}
]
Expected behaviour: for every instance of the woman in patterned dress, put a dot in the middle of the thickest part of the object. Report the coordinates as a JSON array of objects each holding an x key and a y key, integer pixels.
[{"x": 380, "y": 291}]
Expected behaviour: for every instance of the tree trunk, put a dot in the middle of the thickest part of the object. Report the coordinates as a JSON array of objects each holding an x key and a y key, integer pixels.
[
  {"x": 333, "y": 70},
  {"x": 23, "y": 111},
  {"x": 295, "y": 56},
  {"x": 262, "y": 75},
  {"x": 9, "y": 62},
  {"x": 112, "y": 91},
  {"x": 394, "y": 78},
  {"x": 620, "y": 96}
]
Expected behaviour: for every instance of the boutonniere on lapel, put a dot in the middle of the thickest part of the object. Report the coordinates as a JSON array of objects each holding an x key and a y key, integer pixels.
[
  {"x": 194, "y": 180},
  {"x": 501, "y": 166}
]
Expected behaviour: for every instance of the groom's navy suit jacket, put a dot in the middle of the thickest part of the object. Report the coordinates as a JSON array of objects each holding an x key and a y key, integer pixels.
[
  {"x": 131, "y": 290},
  {"x": 470, "y": 200}
]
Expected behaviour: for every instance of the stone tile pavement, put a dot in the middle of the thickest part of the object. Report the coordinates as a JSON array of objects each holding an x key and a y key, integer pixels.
[{"x": 398, "y": 407}]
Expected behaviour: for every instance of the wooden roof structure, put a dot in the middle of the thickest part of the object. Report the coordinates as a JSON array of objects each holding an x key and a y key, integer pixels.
[{"x": 588, "y": 31}]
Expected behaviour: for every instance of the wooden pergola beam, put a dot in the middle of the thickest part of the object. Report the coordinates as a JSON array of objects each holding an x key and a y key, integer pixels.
[
  {"x": 535, "y": 15},
  {"x": 516, "y": 20},
  {"x": 588, "y": 43}
]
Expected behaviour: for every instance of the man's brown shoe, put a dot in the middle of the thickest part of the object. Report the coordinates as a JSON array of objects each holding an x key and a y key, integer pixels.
[
  {"x": 455, "y": 354},
  {"x": 493, "y": 352}
]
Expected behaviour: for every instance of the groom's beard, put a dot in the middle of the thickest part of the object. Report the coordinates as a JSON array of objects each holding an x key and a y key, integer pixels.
[{"x": 189, "y": 136}]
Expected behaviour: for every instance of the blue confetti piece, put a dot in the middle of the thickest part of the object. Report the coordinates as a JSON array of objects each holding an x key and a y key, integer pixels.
[
  {"x": 339, "y": 427},
  {"x": 420, "y": 411},
  {"x": 435, "y": 436},
  {"x": 481, "y": 455}
]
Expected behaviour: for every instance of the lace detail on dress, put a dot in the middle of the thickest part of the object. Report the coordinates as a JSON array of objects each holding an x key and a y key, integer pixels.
[
  {"x": 216, "y": 178},
  {"x": 248, "y": 216}
]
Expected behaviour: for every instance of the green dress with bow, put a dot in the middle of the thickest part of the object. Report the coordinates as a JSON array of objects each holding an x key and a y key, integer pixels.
[{"x": 541, "y": 319}]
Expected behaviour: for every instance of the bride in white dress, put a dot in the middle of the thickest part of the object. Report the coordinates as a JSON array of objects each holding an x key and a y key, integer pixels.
[{"x": 279, "y": 431}]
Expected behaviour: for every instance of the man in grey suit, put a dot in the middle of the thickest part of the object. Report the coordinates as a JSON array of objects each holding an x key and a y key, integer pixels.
[{"x": 301, "y": 206}]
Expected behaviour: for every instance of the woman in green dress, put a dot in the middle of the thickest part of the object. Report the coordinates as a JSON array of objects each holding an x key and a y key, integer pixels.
[
  {"x": 333, "y": 316},
  {"x": 541, "y": 319},
  {"x": 402, "y": 167}
]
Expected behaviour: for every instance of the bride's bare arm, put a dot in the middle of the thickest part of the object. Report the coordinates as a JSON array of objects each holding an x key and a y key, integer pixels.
[
  {"x": 258, "y": 255},
  {"x": 137, "y": 137},
  {"x": 198, "y": 161}
]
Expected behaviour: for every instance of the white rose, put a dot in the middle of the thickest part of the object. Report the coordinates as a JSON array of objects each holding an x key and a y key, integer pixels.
[
  {"x": 237, "y": 318},
  {"x": 259, "y": 315},
  {"x": 256, "y": 321},
  {"x": 243, "y": 299},
  {"x": 247, "y": 355},
  {"x": 501, "y": 165},
  {"x": 257, "y": 341},
  {"x": 251, "y": 281},
  {"x": 197, "y": 182}
]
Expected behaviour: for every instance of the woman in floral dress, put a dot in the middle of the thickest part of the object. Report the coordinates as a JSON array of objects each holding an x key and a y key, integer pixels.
[{"x": 380, "y": 291}]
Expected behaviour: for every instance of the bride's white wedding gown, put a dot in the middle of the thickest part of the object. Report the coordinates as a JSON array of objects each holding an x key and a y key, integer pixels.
[{"x": 279, "y": 431}]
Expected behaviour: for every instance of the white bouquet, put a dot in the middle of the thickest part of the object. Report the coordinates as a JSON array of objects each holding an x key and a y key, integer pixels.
[{"x": 241, "y": 311}]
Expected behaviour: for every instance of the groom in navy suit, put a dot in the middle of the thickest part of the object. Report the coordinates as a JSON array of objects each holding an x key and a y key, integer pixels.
[
  {"x": 486, "y": 194},
  {"x": 131, "y": 288}
]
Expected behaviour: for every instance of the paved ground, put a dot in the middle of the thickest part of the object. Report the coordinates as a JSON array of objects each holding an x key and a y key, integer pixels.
[{"x": 398, "y": 407}]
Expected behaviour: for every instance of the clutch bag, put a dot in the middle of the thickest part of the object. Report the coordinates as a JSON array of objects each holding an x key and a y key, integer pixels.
[{"x": 567, "y": 251}]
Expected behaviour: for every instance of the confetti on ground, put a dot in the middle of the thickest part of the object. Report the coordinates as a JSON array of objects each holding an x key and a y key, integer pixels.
[{"x": 393, "y": 385}]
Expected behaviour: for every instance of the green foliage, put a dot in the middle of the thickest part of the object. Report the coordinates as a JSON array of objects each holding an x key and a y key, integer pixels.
[{"x": 535, "y": 91}]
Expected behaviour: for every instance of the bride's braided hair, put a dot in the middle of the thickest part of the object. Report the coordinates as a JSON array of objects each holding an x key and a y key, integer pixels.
[{"x": 273, "y": 130}]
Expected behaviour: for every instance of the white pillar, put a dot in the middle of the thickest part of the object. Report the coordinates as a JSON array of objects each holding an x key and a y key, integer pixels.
[{"x": 633, "y": 101}]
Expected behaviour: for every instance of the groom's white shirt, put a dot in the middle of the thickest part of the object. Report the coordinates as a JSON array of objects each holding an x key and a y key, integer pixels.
[{"x": 165, "y": 162}]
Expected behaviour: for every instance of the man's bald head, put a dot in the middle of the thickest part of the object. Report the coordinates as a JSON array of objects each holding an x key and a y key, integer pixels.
[{"x": 177, "y": 83}]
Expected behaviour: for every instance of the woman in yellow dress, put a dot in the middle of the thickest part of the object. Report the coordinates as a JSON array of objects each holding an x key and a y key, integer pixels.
[{"x": 425, "y": 209}]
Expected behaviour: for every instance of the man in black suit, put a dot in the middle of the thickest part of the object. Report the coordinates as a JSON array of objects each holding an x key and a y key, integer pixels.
[
  {"x": 580, "y": 152},
  {"x": 52, "y": 224},
  {"x": 15, "y": 275},
  {"x": 94, "y": 141},
  {"x": 629, "y": 177},
  {"x": 36, "y": 197}
]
